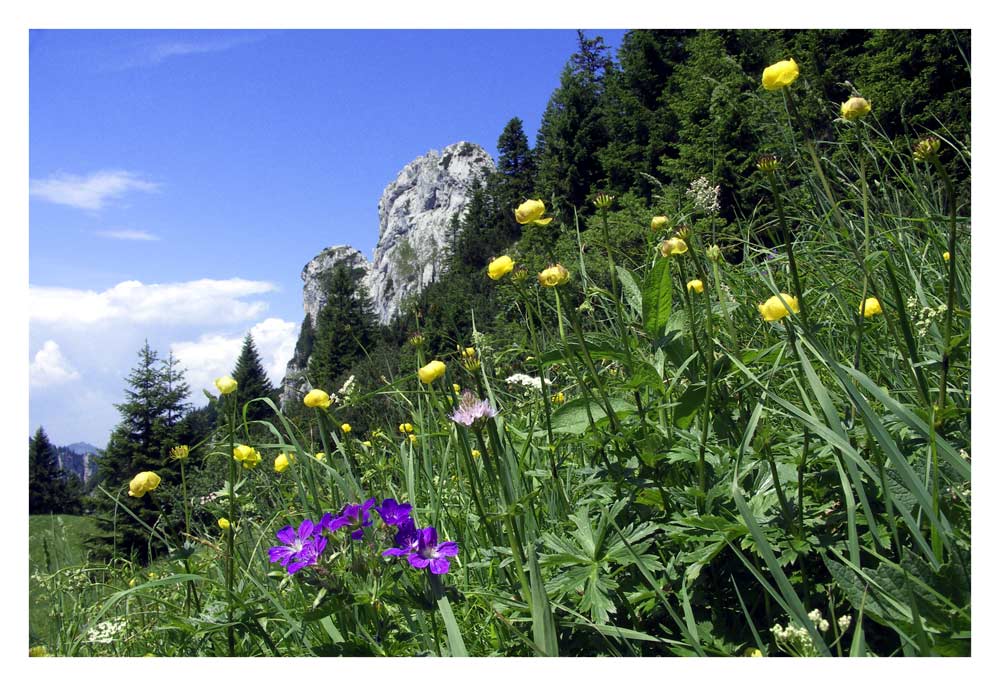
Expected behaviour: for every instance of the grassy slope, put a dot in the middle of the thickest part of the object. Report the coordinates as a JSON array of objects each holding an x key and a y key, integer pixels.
[{"x": 63, "y": 536}]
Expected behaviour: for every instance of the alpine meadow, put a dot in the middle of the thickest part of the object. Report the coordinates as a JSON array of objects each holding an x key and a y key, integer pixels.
[{"x": 684, "y": 372}]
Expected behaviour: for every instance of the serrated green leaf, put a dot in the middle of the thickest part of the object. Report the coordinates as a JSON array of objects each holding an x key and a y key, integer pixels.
[{"x": 657, "y": 298}]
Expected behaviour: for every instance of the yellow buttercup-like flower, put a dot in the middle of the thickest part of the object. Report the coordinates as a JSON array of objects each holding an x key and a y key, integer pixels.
[
  {"x": 870, "y": 307},
  {"x": 780, "y": 74},
  {"x": 180, "y": 452},
  {"x": 317, "y": 398},
  {"x": 559, "y": 398},
  {"x": 530, "y": 212},
  {"x": 855, "y": 108},
  {"x": 556, "y": 275},
  {"x": 500, "y": 267},
  {"x": 345, "y": 427},
  {"x": 413, "y": 439},
  {"x": 695, "y": 285},
  {"x": 475, "y": 453},
  {"x": 246, "y": 456},
  {"x": 225, "y": 384},
  {"x": 406, "y": 428},
  {"x": 946, "y": 256},
  {"x": 431, "y": 371},
  {"x": 320, "y": 456},
  {"x": 282, "y": 461},
  {"x": 774, "y": 309},
  {"x": 143, "y": 483},
  {"x": 658, "y": 222},
  {"x": 673, "y": 246},
  {"x": 223, "y": 523}
]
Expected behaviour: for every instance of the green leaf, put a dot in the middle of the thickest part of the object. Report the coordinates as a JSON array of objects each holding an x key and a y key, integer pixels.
[
  {"x": 455, "y": 642},
  {"x": 657, "y": 298},
  {"x": 572, "y": 418},
  {"x": 631, "y": 290},
  {"x": 689, "y": 403}
]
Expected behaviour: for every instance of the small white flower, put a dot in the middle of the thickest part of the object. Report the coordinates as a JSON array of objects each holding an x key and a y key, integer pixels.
[
  {"x": 815, "y": 616},
  {"x": 844, "y": 623},
  {"x": 824, "y": 625}
]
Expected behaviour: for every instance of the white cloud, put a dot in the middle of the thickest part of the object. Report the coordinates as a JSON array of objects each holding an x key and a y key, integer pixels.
[
  {"x": 50, "y": 367},
  {"x": 128, "y": 235},
  {"x": 89, "y": 192},
  {"x": 205, "y": 301},
  {"x": 214, "y": 355},
  {"x": 162, "y": 51}
]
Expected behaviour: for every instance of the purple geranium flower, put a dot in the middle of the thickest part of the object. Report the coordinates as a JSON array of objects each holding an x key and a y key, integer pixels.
[
  {"x": 407, "y": 539},
  {"x": 427, "y": 552},
  {"x": 354, "y": 516},
  {"x": 300, "y": 549},
  {"x": 393, "y": 513},
  {"x": 472, "y": 411}
]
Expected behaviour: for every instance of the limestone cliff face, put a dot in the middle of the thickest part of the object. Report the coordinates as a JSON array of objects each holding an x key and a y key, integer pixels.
[{"x": 415, "y": 214}]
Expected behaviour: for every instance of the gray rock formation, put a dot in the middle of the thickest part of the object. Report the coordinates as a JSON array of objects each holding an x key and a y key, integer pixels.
[{"x": 415, "y": 214}]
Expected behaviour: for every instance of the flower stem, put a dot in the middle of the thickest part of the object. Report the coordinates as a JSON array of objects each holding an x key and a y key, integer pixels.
[{"x": 230, "y": 542}]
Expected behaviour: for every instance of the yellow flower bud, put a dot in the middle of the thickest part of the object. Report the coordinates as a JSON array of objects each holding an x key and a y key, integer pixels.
[
  {"x": 603, "y": 201},
  {"x": 658, "y": 222},
  {"x": 530, "y": 212},
  {"x": 855, "y": 108},
  {"x": 38, "y": 651},
  {"x": 780, "y": 74},
  {"x": 556, "y": 275},
  {"x": 406, "y": 428},
  {"x": 320, "y": 456},
  {"x": 753, "y": 652},
  {"x": 673, "y": 246},
  {"x": 696, "y": 285},
  {"x": 946, "y": 256},
  {"x": 475, "y": 453},
  {"x": 455, "y": 387},
  {"x": 143, "y": 483},
  {"x": 713, "y": 253},
  {"x": 926, "y": 149},
  {"x": 413, "y": 439},
  {"x": 559, "y": 398},
  {"x": 431, "y": 371},
  {"x": 345, "y": 427},
  {"x": 367, "y": 444},
  {"x": 768, "y": 163},
  {"x": 223, "y": 523},
  {"x": 500, "y": 267},
  {"x": 225, "y": 384},
  {"x": 246, "y": 456},
  {"x": 282, "y": 461},
  {"x": 870, "y": 307},
  {"x": 774, "y": 309},
  {"x": 317, "y": 398}
]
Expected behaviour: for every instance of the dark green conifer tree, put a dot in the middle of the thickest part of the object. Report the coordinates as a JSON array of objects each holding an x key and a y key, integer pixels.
[
  {"x": 47, "y": 489},
  {"x": 253, "y": 382},
  {"x": 344, "y": 329}
]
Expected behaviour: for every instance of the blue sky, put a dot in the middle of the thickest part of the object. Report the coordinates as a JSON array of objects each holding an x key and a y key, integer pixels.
[{"x": 180, "y": 180}]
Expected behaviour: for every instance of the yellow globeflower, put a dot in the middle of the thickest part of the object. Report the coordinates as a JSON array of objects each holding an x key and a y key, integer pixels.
[
  {"x": 431, "y": 371},
  {"x": 282, "y": 461},
  {"x": 658, "y": 222},
  {"x": 345, "y": 427},
  {"x": 559, "y": 398},
  {"x": 413, "y": 439},
  {"x": 871, "y": 307},
  {"x": 180, "y": 452},
  {"x": 455, "y": 387},
  {"x": 317, "y": 398},
  {"x": 946, "y": 256},
  {"x": 223, "y": 523},
  {"x": 225, "y": 384},
  {"x": 475, "y": 453},
  {"x": 143, "y": 483},
  {"x": 406, "y": 428},
  {"x": 774, "y": 309},
  {"x": 246, "y": 456},
  {"x": 556, "y": 275},
  {"x": 530, "y": 212},
  {"x": 695, "y": 285},
  {"x": 855, "y": 108},
  {"x": 320, "y": 456},
  {"x": 500, "y": 267},
  {"x": 38, "y": 651},
  {"x": 780, "y": 74},
  {"x": 673, "y": 246}
]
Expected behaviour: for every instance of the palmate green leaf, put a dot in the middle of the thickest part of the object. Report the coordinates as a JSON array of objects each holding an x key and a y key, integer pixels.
[{"x": 657, "y": 298}]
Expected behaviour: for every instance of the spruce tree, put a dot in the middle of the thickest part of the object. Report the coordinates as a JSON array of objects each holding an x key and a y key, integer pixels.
[
  {"x": 150, "y": 420},
  {"x": 253, "y": 382},
  {"x": 344, "y": 329},
  {"x": 46, "y": 482}
]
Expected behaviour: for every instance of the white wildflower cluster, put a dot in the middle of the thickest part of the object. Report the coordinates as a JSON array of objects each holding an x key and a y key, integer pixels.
[
  {"x": 795, "y": 640},
  {"x": 924, "y": 316},
  {"x": 527, "y": 381},
  {"x": 844, "y": 623},
  {"x": 964, "y": 454},
  {"x": 348, "y": 389},
  {"x": 704, "y": 195},
  {"x": 105, "y": 632}
]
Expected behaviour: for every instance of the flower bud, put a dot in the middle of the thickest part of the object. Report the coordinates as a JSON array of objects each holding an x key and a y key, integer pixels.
[
  {"x": 658, "y": 223},
  {"x": 855, "y": 108},
  {"x": 603, "y": 201},
  {"x": 926, "y": 149},
  {"x": 768, "y": 163},
  {"x": 143, "y": 483},
  {"x": 713, "y": 253},
  {"x": 431, "y": 371},
  {"x": 696, "y": 285},
  {"x": 225, "y": 384},
  {"x": 499, "y": 267},
  {"x": 780, "y": 74},
  {"x": 317, "y": 398}
]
